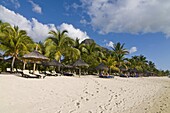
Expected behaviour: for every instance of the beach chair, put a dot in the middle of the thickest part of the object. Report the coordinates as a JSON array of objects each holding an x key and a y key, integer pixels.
[
  {"x": 39, "y": 75},
  {"x": 106, "y": 76},
  {"x": 48, "y": 73},
  {"x": 8, "y": 69},
  {"x": 27, "y": 74},
  {"x": 54, "y": 73},
  {"x": 68, "y": 74}
]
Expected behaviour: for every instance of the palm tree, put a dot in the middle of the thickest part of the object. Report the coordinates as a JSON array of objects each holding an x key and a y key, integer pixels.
[
  {"x": 139, "y": 62},
  {"x": 119, "y": 49},
  {"x": 118, "y": 54},
  {"x": 59, "y": 44},
  {"x": 111, "y": 63},
  {"x": 3, "y": 28},
  {"x": 15, "y": 43},
  {"x": 40, "y": 46},
  {"x": 80, "y": 46},
  {"x": 91, "y": 48}
]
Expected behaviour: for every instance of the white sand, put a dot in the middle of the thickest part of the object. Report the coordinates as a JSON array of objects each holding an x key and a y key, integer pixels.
[{"x": 84, "y": 95}]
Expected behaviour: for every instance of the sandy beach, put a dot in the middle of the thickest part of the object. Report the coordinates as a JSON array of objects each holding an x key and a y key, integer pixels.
[{"x": 87, "y": 94}]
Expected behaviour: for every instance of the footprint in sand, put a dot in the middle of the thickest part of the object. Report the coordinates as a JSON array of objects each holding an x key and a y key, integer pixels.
[
  {"x": 87, "y": 99},
  {"x": 86, "y": 92},
  {"x": 78, "y": 104}
]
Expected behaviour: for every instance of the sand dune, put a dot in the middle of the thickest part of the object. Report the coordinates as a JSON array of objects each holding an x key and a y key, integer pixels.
[{"x": 87, "y": 94}]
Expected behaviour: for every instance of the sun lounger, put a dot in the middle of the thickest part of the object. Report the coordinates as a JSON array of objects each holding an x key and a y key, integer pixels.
[
  {"x": 54, "y": 73},
  {"x": 27, "y": 74},
  {"x": 40, "y": 75},
  {"x": 8, "y": 69},
  {"x": 122, "y": 75},
  {"x": 106, "y": 76},
  {"x": 48, "y": 73},
  {"x": 68, "y": 74}
]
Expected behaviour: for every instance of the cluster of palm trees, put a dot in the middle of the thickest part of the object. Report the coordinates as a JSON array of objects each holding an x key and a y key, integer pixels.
[{"x": 15, "y": 43}]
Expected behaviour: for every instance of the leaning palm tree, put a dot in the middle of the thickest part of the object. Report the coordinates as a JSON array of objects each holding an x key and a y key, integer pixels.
[
  {"x": 15, "y": 43},
  {"x": 58, "y": 45}
]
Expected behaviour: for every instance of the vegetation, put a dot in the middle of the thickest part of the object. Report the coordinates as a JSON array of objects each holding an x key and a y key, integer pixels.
[{"x": 15, "y": 43}]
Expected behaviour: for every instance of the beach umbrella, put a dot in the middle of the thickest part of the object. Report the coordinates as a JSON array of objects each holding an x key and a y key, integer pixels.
[
  {"x": 80, "y": 63},
  {"x": 35, "y": 56},
  {"x": 133, "y": 70},
  {"x": 52, "y": 63},
  {"x": 68, "y": 66},
  {"x": 101, "y": 66}
]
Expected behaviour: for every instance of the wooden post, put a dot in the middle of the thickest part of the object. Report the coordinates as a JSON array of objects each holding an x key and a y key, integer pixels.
[
  {"x": 34, "y": 67},
  {"x": 79, "y": 72}
]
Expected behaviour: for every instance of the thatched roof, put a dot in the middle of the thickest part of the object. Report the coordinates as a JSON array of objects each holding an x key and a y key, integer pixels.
[
  {"x": 80, "y": 63},
  {"x": 52, "y": 63},
  {"x": 68, "y": 66},
  {"x": 35, "y": 55},
  {"x": 101, "y": 66}
]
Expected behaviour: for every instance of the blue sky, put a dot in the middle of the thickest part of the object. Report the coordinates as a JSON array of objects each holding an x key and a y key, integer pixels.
[{"x": 144, "y": 26}]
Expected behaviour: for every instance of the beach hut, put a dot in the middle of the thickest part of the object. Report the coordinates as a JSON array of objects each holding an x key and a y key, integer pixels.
[
  {"x": 34, "y": 56},
  {"x": 102, "y": 66},
  {"x": 80, "y": 63},
  {"x": 54, "y": 63}
]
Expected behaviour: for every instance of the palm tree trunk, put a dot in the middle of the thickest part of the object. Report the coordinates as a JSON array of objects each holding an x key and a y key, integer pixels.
[
  {"x": 79, "y": 72},
  {"x": 34, "y": 67},
  {"x": 24, "y": 65},
  {"x": 109, "y": 71},
  {"x": 12, "y": 64}
]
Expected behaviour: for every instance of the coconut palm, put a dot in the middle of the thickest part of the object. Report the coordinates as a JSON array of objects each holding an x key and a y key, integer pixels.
[
  {"x": 119, "y": 49},
  {"x": 3, "y": 28},
  {"x": 80, "y": 46},
  {"x": 40, "y": 47},
  {"x": 111, "y": 63},
  {"x": 118, "y": 54},
  {"x": 59, "y": 44},
  {"x": 91, "y": 48},
  {"x": 15, "y": 43},
  {"x": 139, "y": 63}
]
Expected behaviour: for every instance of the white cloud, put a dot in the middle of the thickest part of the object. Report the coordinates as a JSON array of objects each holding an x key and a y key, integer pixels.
[
  {"x": 73, "y": 32},
  {"x": 110, "y": 44},
  {"x": 132, "y": 50},
  {"x": 129, "y": 16},
  {"x": 36, "y": 7},
  {"x": 16, "y": 3},
  {"x": 36, "y": 30}
]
